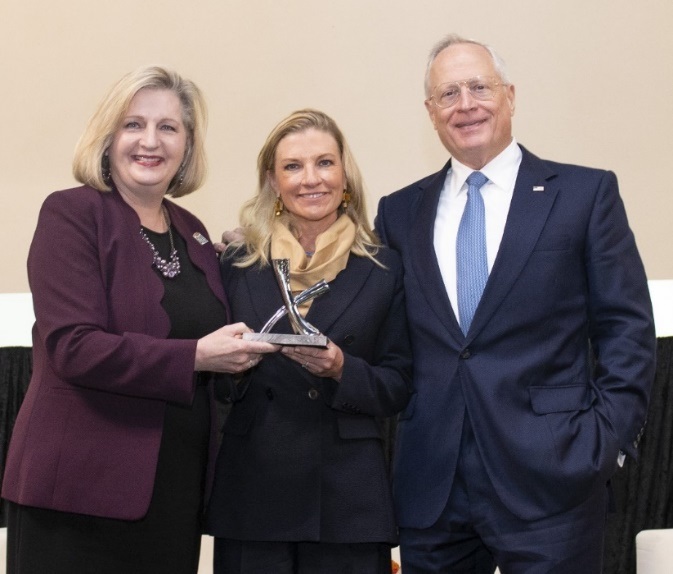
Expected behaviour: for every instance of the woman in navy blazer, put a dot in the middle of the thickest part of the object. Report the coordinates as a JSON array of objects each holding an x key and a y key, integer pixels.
[
  {"x": 106, "y": 470},
  {"x": 302, "y": 484}
]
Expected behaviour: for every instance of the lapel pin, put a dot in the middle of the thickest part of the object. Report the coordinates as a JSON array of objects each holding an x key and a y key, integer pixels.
[
  {"x": 200, "y": 238},
  {"x": 538, "y": 188}
]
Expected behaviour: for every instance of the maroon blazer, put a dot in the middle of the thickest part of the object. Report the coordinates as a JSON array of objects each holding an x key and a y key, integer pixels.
[{"x": 87, "y": 436}]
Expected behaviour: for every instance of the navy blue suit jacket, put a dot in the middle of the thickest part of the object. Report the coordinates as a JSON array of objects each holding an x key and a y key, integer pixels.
[
  {"x": 556, "y": 369},
  {"x": 302, "y": 456}
]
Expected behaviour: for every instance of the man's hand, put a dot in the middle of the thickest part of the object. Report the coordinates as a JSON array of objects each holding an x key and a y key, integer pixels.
[{"x": 229, "y": 237}]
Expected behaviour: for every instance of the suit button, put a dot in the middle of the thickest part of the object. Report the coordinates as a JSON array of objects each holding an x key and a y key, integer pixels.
[
  {"x": 313, "y": 394},
  {"x": 348, "y": 339},
  {"x": 465, "y": 354}
]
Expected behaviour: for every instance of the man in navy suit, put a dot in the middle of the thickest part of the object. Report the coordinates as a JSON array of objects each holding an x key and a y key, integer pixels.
[{"x": 527, "y": 405}]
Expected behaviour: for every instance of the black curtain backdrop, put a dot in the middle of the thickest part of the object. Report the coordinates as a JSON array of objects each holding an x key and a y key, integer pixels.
[
  {"x": 16, "y": 366},
  {"x": 643, "y": 490}
]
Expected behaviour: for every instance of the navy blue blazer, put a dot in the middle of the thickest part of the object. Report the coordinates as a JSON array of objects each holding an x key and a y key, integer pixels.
[
  {"x": 302, "y": 457},
  {"x": 556, "y": 369}
]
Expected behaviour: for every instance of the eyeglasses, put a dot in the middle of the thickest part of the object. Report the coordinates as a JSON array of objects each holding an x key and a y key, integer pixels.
[{"x": 480, "y": 88}]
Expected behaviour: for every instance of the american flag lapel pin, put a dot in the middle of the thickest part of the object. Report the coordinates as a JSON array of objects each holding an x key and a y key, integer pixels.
[{"x": 200, "y": 238}]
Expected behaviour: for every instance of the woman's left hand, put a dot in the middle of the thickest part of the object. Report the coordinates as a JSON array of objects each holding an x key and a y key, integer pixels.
[{"x": 320, "y": 361}]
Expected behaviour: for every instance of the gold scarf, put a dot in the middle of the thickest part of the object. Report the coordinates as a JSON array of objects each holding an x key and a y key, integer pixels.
[{"x": 332, "y": 248}]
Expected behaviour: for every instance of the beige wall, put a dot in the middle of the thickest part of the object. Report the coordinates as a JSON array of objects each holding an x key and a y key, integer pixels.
[{"x": 593, "y": 78}]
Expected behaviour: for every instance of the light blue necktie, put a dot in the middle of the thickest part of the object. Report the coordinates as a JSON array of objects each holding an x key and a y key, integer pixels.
[{"x": 471, "y": 261}]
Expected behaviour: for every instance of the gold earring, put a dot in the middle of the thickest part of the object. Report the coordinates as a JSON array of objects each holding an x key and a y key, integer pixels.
[
  {"x": 278, "y": 208},
  {"x": 346, "y": 199}
]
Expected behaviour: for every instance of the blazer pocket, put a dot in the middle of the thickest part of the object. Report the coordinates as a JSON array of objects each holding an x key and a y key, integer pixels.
[
  {"x": 559, "y": 399},
  {"x": 358, "y": 427}
]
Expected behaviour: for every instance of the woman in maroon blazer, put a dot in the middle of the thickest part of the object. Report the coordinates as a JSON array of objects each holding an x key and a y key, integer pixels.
[{"x": 106, "y": 470}]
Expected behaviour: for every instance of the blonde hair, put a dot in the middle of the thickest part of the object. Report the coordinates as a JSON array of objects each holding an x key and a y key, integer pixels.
[
  {"x": 90, "y": 160},
  {"x": 258, "y": 214}
]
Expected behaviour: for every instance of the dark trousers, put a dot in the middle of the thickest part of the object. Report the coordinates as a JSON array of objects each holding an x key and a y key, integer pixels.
[
  {"x": 243, "y": 557},
  {"x": 476, "y": 531}
]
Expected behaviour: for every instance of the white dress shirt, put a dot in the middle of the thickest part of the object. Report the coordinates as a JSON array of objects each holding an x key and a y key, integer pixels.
[{"x": 497, "y": 192}]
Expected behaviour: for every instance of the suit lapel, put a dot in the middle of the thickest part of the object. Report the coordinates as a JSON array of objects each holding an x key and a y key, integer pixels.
[
  {"x": 424, "y": 258},
  {"x": 346, "y": 286},
  {"x": 201, "y": 254},
  {"x": 533, "y": 198},
  {"x": 265, "y": 296},
  {"x": 325, "y": 309}
]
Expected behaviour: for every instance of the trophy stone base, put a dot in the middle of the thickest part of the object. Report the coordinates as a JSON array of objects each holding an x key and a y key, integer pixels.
[{"x": 287, "y": 339}]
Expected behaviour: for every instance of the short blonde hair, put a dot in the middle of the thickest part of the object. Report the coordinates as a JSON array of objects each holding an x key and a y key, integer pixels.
[
  {"x": 89, "y": 159},
  {"x": 258, "y": 214}
]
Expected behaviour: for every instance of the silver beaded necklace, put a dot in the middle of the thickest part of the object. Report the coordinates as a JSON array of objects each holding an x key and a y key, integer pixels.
[{"x": 170, "y": 268}]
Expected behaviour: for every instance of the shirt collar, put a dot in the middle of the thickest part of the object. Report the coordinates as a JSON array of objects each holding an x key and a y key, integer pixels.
[{"x": 501, "y": 170}]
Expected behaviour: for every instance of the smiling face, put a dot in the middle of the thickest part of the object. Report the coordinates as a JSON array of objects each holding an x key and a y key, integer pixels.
[
  {"x": 149, "y": 145},
  {"x": 309, "y": 178},
  {"x": 474, "y": 131}
]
